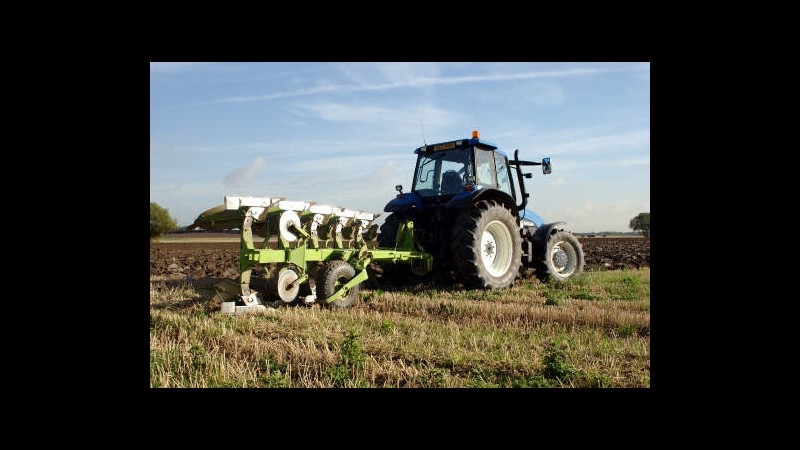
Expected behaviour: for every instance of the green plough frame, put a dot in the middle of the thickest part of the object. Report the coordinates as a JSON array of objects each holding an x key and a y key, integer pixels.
[{"x": 307, "y": 250}]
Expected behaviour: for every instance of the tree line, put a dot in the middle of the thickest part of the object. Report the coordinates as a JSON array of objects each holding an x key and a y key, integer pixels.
[{"x": 160, "y": 220}]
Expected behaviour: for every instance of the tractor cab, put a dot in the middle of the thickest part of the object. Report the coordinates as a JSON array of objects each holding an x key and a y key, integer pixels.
[
  {"x": 460, "y": 166},
  {"x": 454, "y": 174}
]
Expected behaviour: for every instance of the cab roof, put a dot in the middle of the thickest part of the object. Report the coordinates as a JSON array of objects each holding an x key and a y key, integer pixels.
[{"x": 460, "y": 143}]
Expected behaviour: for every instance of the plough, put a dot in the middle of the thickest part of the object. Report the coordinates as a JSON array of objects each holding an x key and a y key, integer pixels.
[{"x": 328, "y": 248}]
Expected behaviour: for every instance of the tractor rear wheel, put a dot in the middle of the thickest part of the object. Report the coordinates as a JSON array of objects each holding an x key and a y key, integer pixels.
[
  {"x": 389, "y": 229},
  {"x": 486, "y": 246},
  {"x": 333, "y": 276},
  {"x": 394, "y": 274},
  {"x": 562, "y": 258}
]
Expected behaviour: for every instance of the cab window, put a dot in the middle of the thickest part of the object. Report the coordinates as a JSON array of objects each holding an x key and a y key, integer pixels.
[
  {"x": 484, "y": 167},
  {"x": 503, "y": 180}
]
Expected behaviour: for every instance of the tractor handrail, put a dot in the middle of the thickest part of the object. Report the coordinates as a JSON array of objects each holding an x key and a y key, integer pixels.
[{"x": 516, "y": 162}]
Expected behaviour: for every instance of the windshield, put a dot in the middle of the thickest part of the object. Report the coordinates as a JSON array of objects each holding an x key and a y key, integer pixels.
[{"x": 442, "y": 173}]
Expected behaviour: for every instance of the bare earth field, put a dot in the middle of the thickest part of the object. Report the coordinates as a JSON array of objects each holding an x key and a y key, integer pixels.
[{"x": 217, "y": 255}]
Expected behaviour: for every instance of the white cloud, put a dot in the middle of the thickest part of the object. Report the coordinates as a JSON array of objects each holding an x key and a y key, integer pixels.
[
  {"x": 404, "y": 78},
  {"x": 395, "y": 118},
  {"x": 638, "y": 138},
  {"x": 627, "y": 162},
  {"x": 366, "y": 74},
  {"x": 316, "y": 147},
  {"x": 244, "y": 176}
]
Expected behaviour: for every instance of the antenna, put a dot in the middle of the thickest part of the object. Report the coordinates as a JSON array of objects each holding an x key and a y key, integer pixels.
[{"x": 423, "y": 133}]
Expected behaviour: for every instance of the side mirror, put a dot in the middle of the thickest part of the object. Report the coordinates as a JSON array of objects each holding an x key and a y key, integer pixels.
[
  {"x": 399, "y": 188},
  {"x": 546, "y": 167}
]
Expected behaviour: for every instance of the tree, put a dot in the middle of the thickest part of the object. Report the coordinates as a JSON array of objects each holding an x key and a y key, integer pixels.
[
  {"x": 641, "y": 223},
  {"x": 160, "y": 220}
]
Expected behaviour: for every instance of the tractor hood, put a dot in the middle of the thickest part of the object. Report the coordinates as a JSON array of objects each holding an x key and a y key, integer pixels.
[
  {"x": 404, "y": 202},
  {"x": 527, "y": 214}
]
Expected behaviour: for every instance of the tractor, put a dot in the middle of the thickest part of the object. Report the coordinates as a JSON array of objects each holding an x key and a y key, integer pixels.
[{"x": 467, "y": 203}]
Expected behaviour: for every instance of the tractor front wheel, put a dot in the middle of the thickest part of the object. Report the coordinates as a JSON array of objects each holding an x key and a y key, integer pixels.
[{"x": 562, "y": 258}]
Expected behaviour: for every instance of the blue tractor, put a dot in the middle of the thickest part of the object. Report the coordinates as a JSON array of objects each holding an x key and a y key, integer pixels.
[{"x": 467, "y": 208}]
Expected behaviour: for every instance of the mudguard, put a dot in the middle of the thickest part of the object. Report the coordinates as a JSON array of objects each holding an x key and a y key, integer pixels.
[
  {"x": 405, "y": 202},
  {"x": 465, "y": 198},
  {"x": 543, "y": 234}
]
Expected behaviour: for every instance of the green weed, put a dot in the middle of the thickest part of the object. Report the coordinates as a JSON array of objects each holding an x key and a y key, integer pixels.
[
  {"x": 552, "y": 298},
  {"x": 477, "y": 379},
  {"x": 436, "y": 377},
  {"x": 537, "y": 381},
  {"x": 352, "y": 354},
  {"x": 387, "y": 326},
  {"x": 626, "y": 329},
  {"x": 584, "y": 294},
  {"x": 598, "y": 380},
  {"x": 338, "y": 375},
  {"x": 556, "y": 365}
]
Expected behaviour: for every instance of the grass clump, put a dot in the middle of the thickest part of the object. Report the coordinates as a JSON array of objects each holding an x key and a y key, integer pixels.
[
  {"x": 556, "y": 366},
  {"x": 352, "y": 358}
]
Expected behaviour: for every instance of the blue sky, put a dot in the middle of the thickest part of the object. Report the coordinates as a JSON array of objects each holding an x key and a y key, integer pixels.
[{"x": 344, "y": 133}]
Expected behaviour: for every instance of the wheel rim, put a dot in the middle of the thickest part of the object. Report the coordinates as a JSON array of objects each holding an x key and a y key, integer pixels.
[
  {"x": 287, "y": 288},
  {"x": 496, "y": 251},
  {"x": 564, "y": 258},
  {"x": 341, "y": 281}
]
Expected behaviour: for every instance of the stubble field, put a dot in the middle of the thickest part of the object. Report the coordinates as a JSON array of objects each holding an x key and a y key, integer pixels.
[{"x": 593, "y": 331}]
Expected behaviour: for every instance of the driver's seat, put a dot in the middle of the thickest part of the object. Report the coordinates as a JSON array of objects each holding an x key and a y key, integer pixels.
[{"x": 451, "y": 182}]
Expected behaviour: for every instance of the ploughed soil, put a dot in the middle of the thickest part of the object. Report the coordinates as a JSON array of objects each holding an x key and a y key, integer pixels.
[{"x": 221, "y": 259}]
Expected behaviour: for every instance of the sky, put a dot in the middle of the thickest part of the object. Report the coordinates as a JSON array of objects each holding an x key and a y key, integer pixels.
[{"x": 344, "y": 133}]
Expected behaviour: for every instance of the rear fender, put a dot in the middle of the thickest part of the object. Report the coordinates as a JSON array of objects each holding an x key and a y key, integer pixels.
[
  {"x": 461, "y": 200},
  {"x": 543, "y": 234}
]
